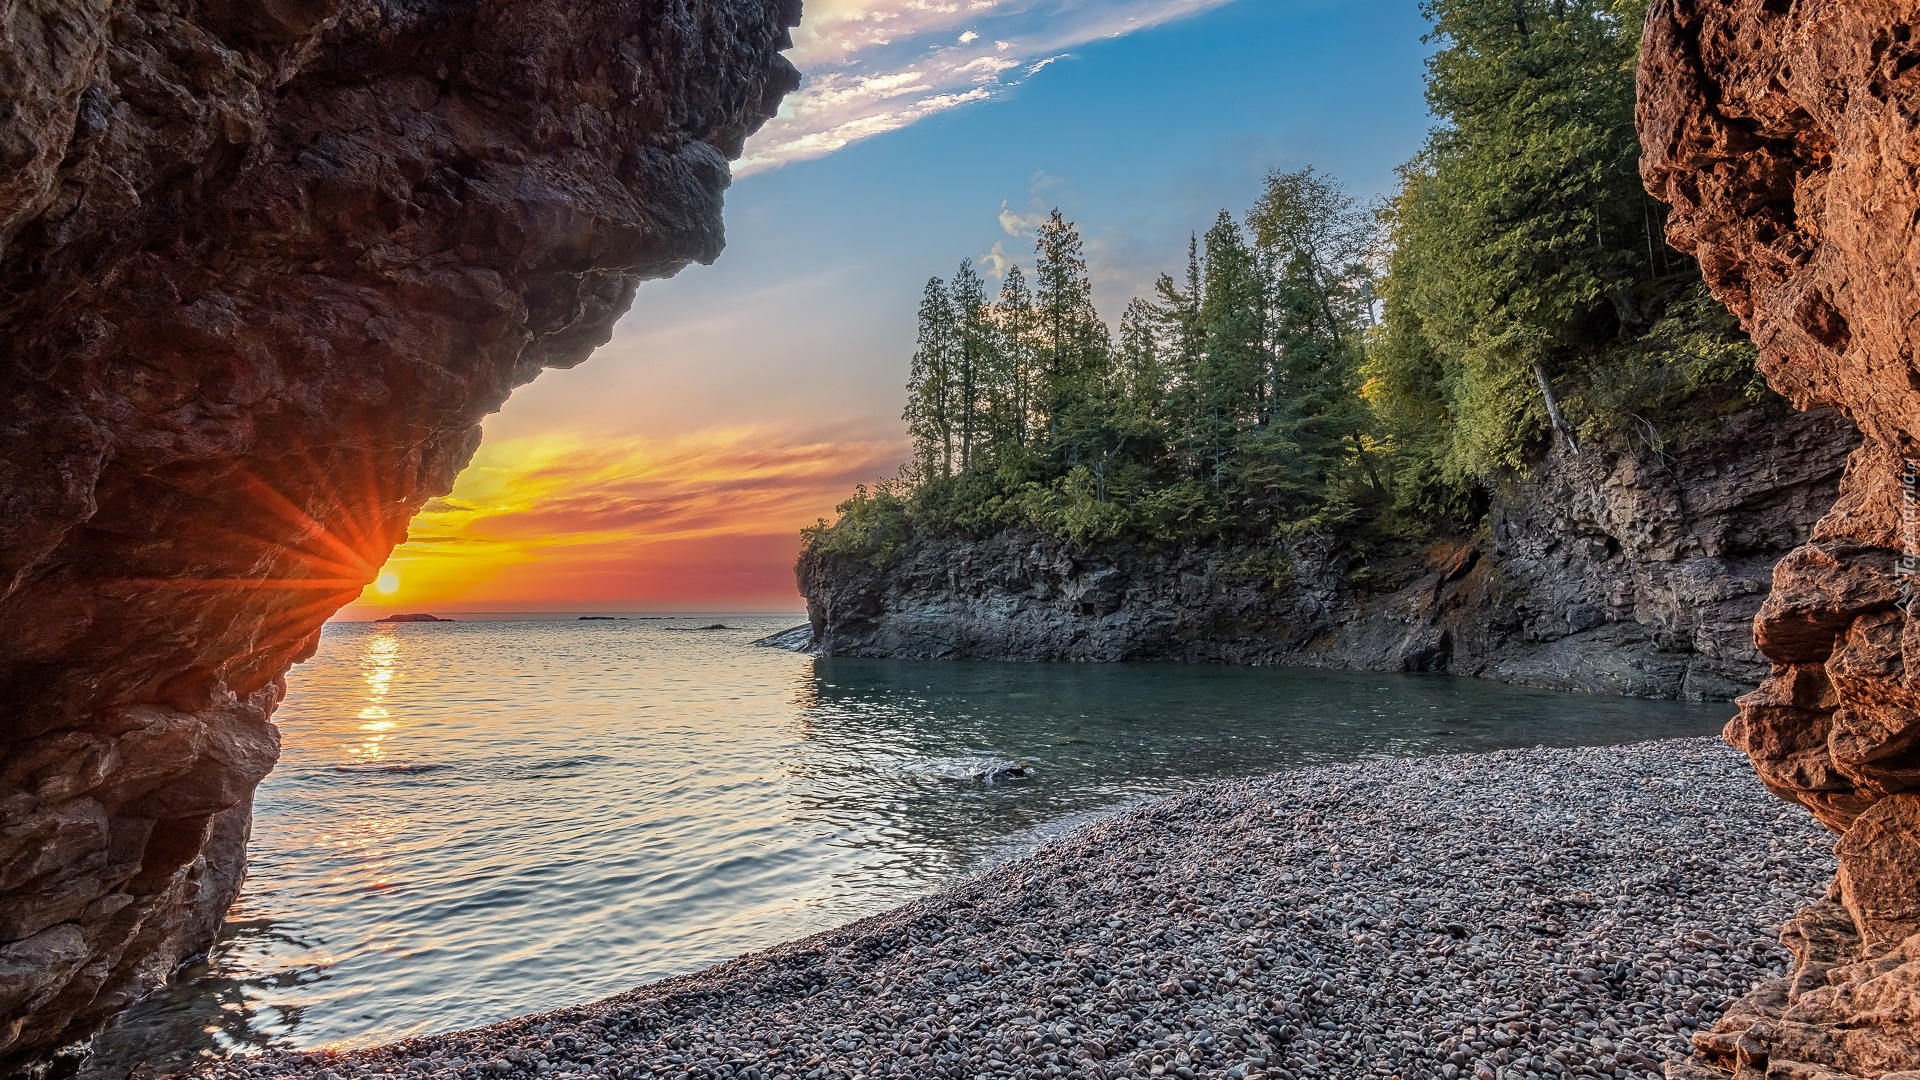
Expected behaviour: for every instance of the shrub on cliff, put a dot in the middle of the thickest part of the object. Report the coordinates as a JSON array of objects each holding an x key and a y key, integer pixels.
[{"x": 873, "y": 526}]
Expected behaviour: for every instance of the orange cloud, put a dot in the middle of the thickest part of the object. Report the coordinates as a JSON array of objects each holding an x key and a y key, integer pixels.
[{"x": 558, "y": 522}]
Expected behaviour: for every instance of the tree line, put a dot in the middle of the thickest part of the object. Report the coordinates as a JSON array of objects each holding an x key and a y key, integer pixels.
[
  {"x": 1229, "y": 389},
  {"x": 1324, "y": 366}
]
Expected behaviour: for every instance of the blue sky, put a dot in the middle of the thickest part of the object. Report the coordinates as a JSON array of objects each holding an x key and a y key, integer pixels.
[
  {"x": 806, "y": 322},
  {"x": 929, "y": 131}
]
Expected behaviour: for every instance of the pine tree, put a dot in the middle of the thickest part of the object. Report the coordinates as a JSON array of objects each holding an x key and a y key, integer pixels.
[
  {"x": 1016, "y": 337},
  {"x": 1313, "y": 241},
  {"x": 1316, "y": 240},
  {"x": 1176, "y": 318},
  {"x": 973, "y": 342},
  {"x": 1233, "y": 366},
  {"x": 1524, "y": 294},
  {"x": 931, "y": 387},
  {"x": 1140, "y": 369},
  {"x": 1141, "y": 391},
  {"x": 1073, "y": 342},
  {"x": 1524, "y": 218}
]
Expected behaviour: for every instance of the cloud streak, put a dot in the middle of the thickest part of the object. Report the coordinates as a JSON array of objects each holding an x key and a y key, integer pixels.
[
  {"x": 562, "y": 522},
  {"x": 874, "y": 66}
]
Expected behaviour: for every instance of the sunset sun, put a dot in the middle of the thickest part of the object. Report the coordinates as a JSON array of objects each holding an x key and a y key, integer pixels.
[{"x": 387, "y": 583}]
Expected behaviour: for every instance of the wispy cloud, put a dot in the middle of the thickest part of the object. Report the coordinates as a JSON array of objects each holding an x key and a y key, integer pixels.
[
  {"x": 1022, "y": 225},
  {"x": 874, "y": 66}
]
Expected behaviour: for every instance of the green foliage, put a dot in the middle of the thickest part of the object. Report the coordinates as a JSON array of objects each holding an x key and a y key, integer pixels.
[
  {"x": 1319, "y": 369},
  {"x": 1527, "y": 272},
  {"x": 934, "y": 405},
  {"x": 1691, "y": 367},
  {"x": 873, "y": 526},
  {"x": 1272, "y": 569},
  {"x": 1225, "y": 410}
]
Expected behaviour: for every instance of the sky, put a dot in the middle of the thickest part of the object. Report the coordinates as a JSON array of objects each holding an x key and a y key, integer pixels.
[{"x": 740, "y": 402}]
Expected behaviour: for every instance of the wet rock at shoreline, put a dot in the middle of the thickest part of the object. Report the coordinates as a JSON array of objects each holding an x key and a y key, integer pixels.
[{"x": 797, "y": 639}]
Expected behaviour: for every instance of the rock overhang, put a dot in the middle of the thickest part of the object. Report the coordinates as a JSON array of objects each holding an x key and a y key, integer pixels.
[{"x": 264, "y": 268}]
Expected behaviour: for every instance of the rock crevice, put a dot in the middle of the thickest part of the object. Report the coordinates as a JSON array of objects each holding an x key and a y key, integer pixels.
[{"x": 264, "y": 267}]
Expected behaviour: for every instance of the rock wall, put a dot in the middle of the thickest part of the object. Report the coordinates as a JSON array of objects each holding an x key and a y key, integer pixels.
[
  {"x": 1631, "y": 573},
  {"x": 1786, "y": 137},
  {"x": 264, "y": 266}
]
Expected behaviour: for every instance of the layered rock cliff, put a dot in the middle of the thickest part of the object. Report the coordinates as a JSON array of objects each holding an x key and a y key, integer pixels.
[
  {"x": 1614, "y": 572},
  {"x": 1786, "y": 137},
  {"x": 264, "y": 266}
]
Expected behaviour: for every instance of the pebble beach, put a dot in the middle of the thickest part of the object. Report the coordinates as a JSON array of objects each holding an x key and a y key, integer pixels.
[{"x": 1527, "y": 913}]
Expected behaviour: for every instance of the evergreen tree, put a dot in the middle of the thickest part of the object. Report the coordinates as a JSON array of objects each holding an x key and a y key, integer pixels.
[
  {"x": 1524, "y": 221},
  {"x": 1140, "y": 369},
  {"x": 1017, "y": 354},
  {"x": 1141, "y": 395},
  {"x": 1176, "y": 317},
  {"x": 973, "y": 363},
  {"x": 931, "y": 387},
  {"x": 1313, "y": 241},
  {"x": 1233, "y": 364},
  {"x": 1316, "y": 241},
  {"x": 1527, "y": 302},
  {"x": 1073, "y": 341}
]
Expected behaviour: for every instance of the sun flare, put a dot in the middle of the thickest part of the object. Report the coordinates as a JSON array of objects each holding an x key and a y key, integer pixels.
[{"x": 387, "y": 583}]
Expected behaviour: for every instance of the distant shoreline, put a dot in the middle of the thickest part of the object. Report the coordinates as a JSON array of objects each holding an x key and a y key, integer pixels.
[{"x": 1478, "y": 911}]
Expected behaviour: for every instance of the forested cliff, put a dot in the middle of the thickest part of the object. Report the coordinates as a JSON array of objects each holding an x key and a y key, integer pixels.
[{"x": 1331, "y": 404}]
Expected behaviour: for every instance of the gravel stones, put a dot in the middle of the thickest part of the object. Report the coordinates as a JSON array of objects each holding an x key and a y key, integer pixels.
[{"x": 1534, "y": 913}]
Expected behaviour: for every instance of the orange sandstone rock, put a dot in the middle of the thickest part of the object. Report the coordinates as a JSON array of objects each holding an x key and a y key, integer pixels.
[{"x": 1786, "y": 138}]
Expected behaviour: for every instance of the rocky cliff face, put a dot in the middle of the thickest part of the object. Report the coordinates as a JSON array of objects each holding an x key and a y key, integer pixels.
[
  {"x": 1632, "y": 573},
  {"x": 264, "y": 266},
  {"x": 1786, "y": 136}
]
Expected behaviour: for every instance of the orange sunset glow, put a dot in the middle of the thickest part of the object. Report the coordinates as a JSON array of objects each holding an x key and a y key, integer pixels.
[{"x": 555, "y": 522}]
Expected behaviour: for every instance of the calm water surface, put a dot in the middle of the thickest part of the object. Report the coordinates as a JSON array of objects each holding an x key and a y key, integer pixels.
[{"x": 475, "y": 820}]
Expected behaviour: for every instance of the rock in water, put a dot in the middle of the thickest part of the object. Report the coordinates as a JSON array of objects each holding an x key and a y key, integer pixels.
[
  {"x": 996, "y": 771},
  {"x": 1786, "y": 137},
  {"x": 263, "y": 269},
  {"x": 797, "y": 639}
]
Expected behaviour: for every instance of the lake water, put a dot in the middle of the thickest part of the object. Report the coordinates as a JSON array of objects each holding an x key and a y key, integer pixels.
[{"x": 475, "y": 820}]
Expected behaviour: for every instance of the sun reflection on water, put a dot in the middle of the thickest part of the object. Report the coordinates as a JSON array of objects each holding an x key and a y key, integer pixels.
[{"x": 379, "y": 662}]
